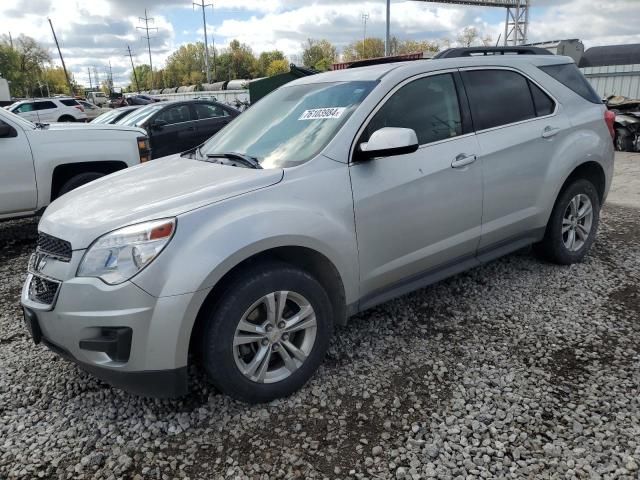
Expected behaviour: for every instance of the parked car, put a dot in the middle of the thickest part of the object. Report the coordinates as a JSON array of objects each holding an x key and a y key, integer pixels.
[
  {"x": 42, "y": 162},
  {"x": 148, "y": 98},
  {"x": 175, "y": 127},
  {"x": 46, "y": 110},
  {"x": 97, "y": 98},
  {"x": 114, "y": 114},
  {"x": 333, "y": 194},
  {"x": 91, "y": 110}
]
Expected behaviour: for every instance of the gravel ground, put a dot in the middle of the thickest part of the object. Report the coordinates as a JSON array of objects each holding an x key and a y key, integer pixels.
[{"x": 518, "y": 369}]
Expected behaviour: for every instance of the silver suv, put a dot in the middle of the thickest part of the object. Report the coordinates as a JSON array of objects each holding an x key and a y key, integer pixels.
[{"x": 333, "y": 194}]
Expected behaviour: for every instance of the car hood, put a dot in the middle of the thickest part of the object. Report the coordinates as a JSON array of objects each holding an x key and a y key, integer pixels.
[{"x": 162, "y": 188}]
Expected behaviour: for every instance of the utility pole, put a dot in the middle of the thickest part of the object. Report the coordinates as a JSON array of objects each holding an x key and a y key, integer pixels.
[
  {"x": 387, "y": 38},
  {"x": 206, "y": 42},
  {"x": 10, "y": 41},
  {"x": 146, "y": 28},
  {"x": 90, "y": 84},
  {"x": 135, "y": 75},
  {"x": 64, "y": 67},
  {"x": 365, "y": 17},
  {"x": 110, "y": 79}
]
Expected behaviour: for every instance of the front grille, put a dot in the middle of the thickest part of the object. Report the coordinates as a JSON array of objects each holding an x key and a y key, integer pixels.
[
  {"x": 43, "y": 290},
  {"x": 56, "y": 247}
]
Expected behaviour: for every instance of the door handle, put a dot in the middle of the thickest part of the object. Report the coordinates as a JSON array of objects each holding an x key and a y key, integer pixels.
[
  {"x": 463, "y": 160},
  {"x": 549, "y": 132}
]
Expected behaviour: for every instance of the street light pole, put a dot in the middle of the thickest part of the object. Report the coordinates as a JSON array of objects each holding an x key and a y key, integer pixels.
[
  {"x": 387, "y": 40},
  {"x": 206, "y": 41}
]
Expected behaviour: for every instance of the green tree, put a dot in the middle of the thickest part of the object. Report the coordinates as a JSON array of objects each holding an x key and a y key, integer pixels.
[
  {"x": 319, "y": 54},
  {"x": 55, "y": 80},
  {"x": 236, "y": 62},
  {"x": 403, "y": 47},
  {"x": 143, "y": 72},
  {"x": 266, "y": 59},
  {"x": 277, "y": 67},
  {"x": 470, "y": 36},
  {"x": 185, "y": 66},
  {"x": 23, "y": 64},
  {"x": 362, "y": 49}
]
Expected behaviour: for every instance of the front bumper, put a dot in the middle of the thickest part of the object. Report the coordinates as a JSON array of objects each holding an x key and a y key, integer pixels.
[{"x": 120, "y": 333}]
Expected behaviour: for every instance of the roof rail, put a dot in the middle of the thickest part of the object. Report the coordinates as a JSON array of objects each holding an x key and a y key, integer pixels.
[{"x": 487, "y": 51}]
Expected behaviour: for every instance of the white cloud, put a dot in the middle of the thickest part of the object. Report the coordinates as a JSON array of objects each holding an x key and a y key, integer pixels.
[{"x": 96, "y": 32}]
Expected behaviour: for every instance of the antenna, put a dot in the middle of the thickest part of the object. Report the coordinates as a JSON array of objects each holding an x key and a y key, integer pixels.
[
  {"x": 135, "y": 75},
  {"x": 206, "y": 43},
  {"x": 64, "y": 67},
  {"x": 146, "y": 28}
]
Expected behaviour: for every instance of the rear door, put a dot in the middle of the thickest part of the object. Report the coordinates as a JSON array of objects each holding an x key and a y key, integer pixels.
[
  {"x": 210, "y": 118},
  {"x": 172, "y": 130},
  {"x": 46, "y": 111},
  {"x": 519, "y": 127}
]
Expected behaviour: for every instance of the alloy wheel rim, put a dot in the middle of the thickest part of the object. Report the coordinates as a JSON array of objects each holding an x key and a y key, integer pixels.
[
  {"x": 274, "y": 337},
  {"x": 577, "y": 222}
]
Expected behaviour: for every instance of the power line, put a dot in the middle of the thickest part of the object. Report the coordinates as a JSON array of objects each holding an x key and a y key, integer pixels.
[
  {"x": 135, "y": 75},
  {"x": 146, "y": 28},
  {"x": 206, "y": 42}
]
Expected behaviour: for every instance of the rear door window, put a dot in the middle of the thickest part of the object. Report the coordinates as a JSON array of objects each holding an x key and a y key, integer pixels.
[
  {"x": 498, "y": 97},
  {"x": 205, "y": 110},
  {"x": 428, "y": 105},
  {"x": 177, "y": 114},
  {"x": 45, "y": 105},
  {"x": 571, "y": 77}
]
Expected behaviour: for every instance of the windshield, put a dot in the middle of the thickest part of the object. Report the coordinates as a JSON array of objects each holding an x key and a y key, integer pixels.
[
  {"x": 291, "y": 125},
  {"x": 106, "y": 117},
  {"x": 140, "y": 116}
]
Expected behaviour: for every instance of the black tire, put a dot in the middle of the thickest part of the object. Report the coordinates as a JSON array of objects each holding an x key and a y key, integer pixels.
[
  {"x": 553, "y": 246},
  {"x": 255, "y": 282},
  {"x": 624, "y": 140},
  {"x": 66, "y": 118},
  {"x": 78, "y": 181}
]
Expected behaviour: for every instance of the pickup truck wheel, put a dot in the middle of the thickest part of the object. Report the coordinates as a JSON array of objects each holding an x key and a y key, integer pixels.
[
  {"x": 268, "y": 333},
  {"x": 78, "y": 181},
  {"x": 573, "y": 224},
  {"x": 66, "y": 118}
]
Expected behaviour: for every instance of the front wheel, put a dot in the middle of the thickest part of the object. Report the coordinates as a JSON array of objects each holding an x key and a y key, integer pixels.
[
  {"x": 268, "y": 333},
  {"x": 572, "y": 227}
]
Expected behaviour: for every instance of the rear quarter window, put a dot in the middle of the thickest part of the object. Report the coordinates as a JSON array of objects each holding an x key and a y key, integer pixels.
[
  {"x": 69, "y": 103},
  {"x": 571, "y": 77}
]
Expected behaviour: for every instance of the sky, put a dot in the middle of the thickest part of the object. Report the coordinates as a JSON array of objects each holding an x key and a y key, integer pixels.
[{"x": 93, "y": 33}]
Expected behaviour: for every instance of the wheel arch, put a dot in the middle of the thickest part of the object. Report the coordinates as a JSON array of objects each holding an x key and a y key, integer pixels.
[
  {"x": 312, "y": 261},
  {"x": 592, "y": 171},
  {"x": 65, "y": 172}
]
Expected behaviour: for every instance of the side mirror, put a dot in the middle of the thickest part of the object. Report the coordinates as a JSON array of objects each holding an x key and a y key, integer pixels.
[
  {"x": 158, "y": 124},
  {"x": 7, "y": 131},
  {"x": 389, "y": 141}
]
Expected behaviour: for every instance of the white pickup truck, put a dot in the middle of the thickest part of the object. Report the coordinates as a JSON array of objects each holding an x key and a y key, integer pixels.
[{"x": 39, "y": 163}]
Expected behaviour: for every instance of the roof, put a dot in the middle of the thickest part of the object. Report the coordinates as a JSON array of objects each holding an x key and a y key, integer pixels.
[
  {"x": 376, "y": 72},
  {"x": 611, "y": 55}
]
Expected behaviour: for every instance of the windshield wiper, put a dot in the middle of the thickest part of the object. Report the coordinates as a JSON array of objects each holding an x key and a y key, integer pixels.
[{"x": 247, "y": 160}]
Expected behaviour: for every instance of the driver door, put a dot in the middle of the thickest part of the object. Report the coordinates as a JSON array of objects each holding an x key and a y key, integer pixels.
[
  {"x": 418, "y": 216},
  {"x": 172, "y": 131},
  {"x": 18, "y": 192}
]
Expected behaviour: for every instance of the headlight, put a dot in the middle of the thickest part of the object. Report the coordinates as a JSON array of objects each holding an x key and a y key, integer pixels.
[{"x": 119, "y": 255}]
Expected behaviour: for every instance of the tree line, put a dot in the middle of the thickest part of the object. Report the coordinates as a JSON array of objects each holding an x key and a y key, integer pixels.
[{"x": 27, "y": 65}]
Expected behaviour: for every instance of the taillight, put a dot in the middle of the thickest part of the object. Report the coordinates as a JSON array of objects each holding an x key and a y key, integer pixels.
[
  {"x": 144, "y": 149},
  {"x": 610, "y": 120},
  {"x": 79, "y": 107}
]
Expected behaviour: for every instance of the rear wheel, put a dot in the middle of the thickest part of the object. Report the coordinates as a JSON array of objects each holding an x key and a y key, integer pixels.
[
  {"x": 573, "y": 224},
  {"x": 78, "y": 181},
  {"x": 268, "y": 333},
  {"x": 66, "y": 118}
]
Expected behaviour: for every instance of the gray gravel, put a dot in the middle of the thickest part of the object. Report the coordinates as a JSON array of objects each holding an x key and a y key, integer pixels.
[{"x": 519, "y": 369}]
